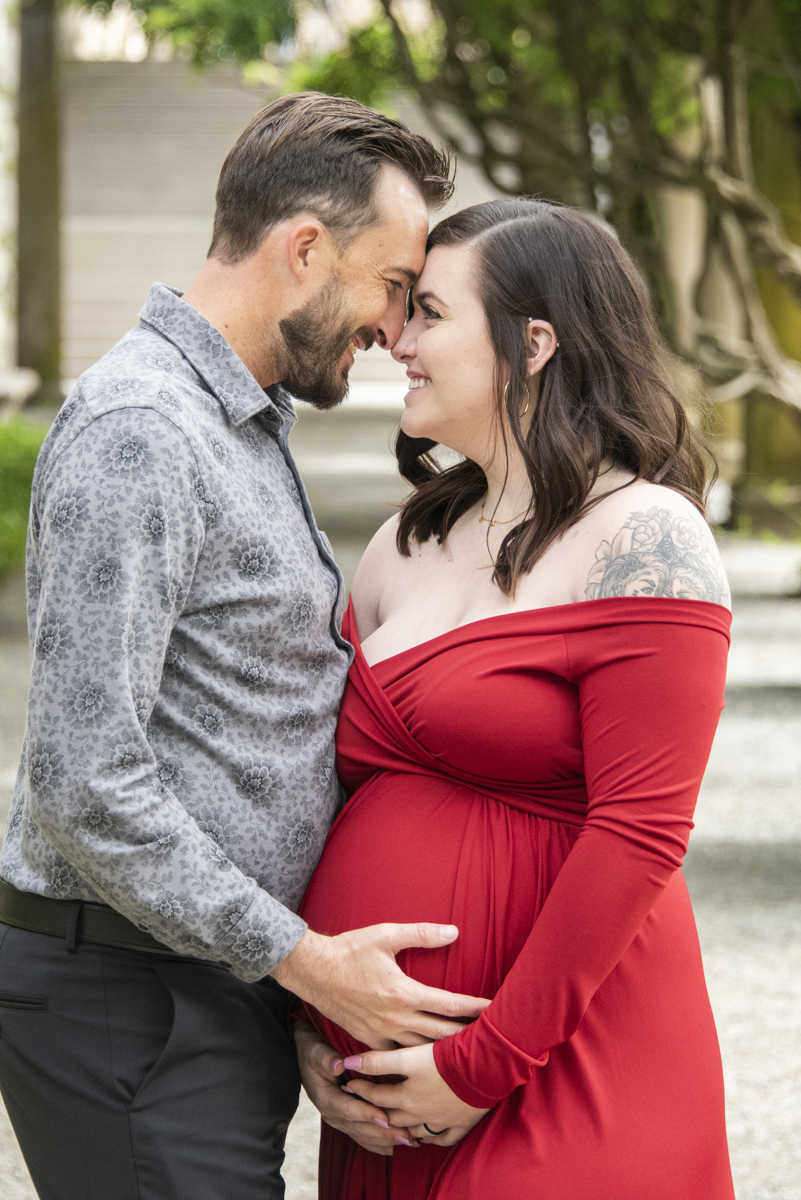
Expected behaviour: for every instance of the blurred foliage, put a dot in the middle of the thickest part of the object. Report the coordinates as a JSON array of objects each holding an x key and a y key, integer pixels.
[
  {"x": 582, "y": 102},
  {"x": 20, "y": 442},
  {"x": 609, "y": 105},
  {"x": 213, "y": 30}
]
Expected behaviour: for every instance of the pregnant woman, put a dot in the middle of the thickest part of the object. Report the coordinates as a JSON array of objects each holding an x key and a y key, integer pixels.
[{"x": 541, "y": 639}]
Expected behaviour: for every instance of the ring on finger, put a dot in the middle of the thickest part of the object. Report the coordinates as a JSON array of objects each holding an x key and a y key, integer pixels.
[{"x": 435, "y": 1132}]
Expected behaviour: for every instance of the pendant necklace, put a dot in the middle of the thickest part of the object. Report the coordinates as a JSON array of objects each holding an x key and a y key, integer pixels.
[{"x": 491, "y": 520}]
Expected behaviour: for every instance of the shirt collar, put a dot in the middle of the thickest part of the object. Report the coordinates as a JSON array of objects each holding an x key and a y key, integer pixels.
[{"x": 215, "y": 361}]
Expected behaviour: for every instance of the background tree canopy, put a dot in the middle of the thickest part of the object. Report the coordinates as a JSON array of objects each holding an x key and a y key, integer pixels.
[{"x": 677, "y": 121}]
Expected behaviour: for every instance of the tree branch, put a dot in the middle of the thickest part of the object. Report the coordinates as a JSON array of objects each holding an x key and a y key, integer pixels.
[{"x": 762, "y": 225}]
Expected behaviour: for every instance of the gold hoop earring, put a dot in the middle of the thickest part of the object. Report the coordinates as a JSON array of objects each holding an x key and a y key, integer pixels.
[{"x": 523, "y": 411}]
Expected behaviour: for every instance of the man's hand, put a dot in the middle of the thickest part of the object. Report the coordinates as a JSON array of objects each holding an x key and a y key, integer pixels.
[
  {"x": 424, "y": 1096},
  {"x": 361, "y": 1121},
  {"x": 353, "y": 980}
]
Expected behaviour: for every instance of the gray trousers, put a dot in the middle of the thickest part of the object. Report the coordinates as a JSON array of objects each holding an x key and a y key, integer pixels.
[{"x": 130, "y": 1076}]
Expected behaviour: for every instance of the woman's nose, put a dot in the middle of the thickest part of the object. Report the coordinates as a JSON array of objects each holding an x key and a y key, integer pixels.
[{"x": 404, "y": 347}]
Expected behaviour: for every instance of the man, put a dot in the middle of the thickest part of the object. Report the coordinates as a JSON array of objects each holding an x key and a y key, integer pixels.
[{"x": 177, "y": 778}]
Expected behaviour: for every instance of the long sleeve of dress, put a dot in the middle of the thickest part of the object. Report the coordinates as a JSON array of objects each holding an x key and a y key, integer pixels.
[{"x": 650, "y": 698}]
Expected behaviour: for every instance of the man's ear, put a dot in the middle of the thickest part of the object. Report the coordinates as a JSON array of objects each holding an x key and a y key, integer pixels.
[
  {"x": 308, "y": 246},
  {"x": 541, "y": 345}
]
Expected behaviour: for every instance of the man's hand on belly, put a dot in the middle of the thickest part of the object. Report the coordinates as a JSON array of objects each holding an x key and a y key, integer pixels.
[{"x": 353, "y": 980}]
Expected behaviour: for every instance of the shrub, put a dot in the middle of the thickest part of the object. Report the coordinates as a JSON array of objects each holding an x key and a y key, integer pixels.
[{"x": 20, "y": 442}]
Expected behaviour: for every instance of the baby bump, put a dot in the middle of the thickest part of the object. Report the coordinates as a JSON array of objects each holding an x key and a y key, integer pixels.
[{"x": 410, "y": 848}]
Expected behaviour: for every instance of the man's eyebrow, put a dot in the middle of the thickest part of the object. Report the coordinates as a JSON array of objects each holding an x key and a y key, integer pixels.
[{"x": 409, "y": 275}]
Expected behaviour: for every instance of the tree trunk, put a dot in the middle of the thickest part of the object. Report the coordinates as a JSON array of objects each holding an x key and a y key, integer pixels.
[
  {"x": 9, "y": 82},
  {"x": 39, "y": 304}
]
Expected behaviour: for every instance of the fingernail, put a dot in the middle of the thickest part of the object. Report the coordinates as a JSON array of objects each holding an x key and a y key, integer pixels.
[
  {"x": 338, "y": 1062},
  {"x": 348, "y": 1090},
  {"x": 448, "y": 932},
  {"x": 354, "y": 1063},
  {"x": 383, "y": 1124},
  {"x": 399, "y": 1141}
]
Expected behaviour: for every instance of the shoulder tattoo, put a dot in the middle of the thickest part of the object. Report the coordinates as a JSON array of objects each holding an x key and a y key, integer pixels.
[{"x": 659, "y": 553}]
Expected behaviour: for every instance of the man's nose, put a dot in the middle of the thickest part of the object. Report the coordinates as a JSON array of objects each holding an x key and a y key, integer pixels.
[{"x": 390, "y": 325}]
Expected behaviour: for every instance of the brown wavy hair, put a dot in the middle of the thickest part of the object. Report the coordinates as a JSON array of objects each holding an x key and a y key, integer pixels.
[{"x": 605, "y": 397}]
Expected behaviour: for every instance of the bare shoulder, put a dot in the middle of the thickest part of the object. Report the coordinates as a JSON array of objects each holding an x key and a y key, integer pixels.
[
  {"x": 650, "y": 541},
  {"x": 375, "y": 575}
]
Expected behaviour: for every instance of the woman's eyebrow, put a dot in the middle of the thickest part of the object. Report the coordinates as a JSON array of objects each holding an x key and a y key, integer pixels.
[{"x": 419, "y": 297}]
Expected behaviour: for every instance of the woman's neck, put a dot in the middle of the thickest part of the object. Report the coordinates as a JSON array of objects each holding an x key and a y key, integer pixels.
[{"x": 508, "y": 489}]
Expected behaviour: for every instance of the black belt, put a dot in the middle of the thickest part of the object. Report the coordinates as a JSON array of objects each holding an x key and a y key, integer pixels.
[{"x": 74, "y": 921}]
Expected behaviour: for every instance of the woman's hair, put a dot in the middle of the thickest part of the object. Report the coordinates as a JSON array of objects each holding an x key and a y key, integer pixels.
[{"x": 605, "y": 397}]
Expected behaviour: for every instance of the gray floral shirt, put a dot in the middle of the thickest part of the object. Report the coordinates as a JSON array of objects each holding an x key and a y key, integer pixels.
[{"x": 187, "y": 661}]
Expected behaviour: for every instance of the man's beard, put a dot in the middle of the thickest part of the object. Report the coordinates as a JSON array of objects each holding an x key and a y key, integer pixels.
[{"x": 315, "y": 338}]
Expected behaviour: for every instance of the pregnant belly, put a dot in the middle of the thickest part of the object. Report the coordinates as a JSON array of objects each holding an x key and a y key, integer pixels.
[{"x": 410, "y": 848}]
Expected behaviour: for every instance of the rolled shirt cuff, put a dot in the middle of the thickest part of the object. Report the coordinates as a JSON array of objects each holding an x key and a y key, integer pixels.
[{"x": 262, "y": 938}]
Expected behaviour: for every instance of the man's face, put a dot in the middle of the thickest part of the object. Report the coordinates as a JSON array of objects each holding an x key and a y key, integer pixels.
[{"x": 363, "y": 299}]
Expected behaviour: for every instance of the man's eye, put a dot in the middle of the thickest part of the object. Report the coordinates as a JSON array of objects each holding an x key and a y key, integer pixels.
[{"x": 399, "y": 287}]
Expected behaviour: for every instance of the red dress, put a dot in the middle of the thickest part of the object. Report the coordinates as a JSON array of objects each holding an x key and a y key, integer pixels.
[{"x": 531, "y": 778}]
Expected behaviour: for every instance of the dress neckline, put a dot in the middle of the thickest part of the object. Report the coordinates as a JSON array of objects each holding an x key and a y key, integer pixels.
[{"x": 718, "y": 617}]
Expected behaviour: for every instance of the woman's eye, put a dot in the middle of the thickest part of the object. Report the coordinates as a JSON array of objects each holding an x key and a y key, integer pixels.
[{"x": 430, "y": 314}]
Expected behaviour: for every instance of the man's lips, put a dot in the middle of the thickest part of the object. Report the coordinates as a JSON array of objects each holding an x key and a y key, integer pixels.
[{"x": 357, "y": 342}]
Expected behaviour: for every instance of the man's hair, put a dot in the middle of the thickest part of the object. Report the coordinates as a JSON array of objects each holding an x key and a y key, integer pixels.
[{"x": 320, "y": 154}]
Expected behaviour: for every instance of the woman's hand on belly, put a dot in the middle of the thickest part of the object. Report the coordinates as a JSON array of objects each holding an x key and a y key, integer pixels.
[
  {"x": 366, "y": 1124},
  {"x": 423, "y": 1097}
]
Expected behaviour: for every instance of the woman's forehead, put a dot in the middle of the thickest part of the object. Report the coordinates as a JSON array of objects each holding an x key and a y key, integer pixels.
[{"x": 448, "y": 274}]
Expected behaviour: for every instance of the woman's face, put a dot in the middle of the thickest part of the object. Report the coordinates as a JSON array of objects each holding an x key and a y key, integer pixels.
[{"x": 448, "y": 356}]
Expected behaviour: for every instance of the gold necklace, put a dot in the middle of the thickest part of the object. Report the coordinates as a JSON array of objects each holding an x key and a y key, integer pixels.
[{"x": 491, "y": 520}]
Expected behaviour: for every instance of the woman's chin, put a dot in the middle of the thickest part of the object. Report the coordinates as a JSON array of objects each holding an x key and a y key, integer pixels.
[{"x": 414, "y": 426}]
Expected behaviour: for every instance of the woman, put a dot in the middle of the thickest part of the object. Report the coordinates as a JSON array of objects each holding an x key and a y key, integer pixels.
[{"x": 541, "y": 640}]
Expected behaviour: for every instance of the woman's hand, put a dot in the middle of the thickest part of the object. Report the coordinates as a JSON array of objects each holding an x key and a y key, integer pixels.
[
  {"x": 321, "y": 1069},
  {"x": 424, "y": 1096}
]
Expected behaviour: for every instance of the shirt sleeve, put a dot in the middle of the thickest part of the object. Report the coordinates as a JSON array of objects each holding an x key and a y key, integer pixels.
[
  {"x": 650, "y": 697},
  {"x": 112, "y": 556}
]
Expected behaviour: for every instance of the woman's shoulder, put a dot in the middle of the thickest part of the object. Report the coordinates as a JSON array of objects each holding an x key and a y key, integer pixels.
[{"x": 648, "y": 540}]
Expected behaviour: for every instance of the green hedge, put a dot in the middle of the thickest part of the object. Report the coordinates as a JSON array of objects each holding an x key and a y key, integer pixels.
[{"x": 20, "y": 441}]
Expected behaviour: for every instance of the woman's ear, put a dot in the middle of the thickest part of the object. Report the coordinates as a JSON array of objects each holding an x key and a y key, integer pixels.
[{"x": 541, "y": 344}]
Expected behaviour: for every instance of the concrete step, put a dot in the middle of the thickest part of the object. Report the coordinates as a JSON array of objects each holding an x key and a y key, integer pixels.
[{"x": 149, "y": 137}]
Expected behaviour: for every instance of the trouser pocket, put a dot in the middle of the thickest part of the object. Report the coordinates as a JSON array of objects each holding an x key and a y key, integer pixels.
[{"x": 140, "y": 1014}]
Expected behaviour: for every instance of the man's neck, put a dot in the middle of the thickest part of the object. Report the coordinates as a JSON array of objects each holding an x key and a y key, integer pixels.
[{"x": 232, "y": 299}]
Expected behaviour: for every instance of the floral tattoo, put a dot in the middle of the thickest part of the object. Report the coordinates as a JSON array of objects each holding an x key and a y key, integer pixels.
[{"x": 658, "y": 554}]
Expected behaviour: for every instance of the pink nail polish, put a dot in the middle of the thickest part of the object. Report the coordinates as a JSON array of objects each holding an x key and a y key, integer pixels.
[
  {"x": 348, "y": 1090},
  {"x": 383, "y": 1124},
  {"x": 401, "y": 1141},
  {"x": 354, "y": 1063}
]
